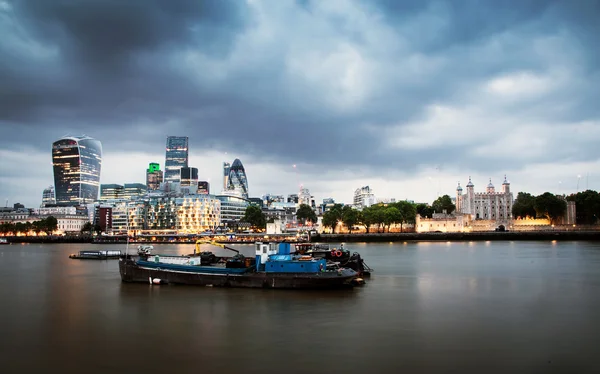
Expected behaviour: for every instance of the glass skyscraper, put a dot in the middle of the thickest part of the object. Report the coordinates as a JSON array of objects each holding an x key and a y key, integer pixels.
[
  {"x": 237, "y": 178},
  {"x": 226, "y": 167},
  {"x": 189, "y": 177},
  {"x": 77, "y": 161},
  {"x": 176, "y": 157}
]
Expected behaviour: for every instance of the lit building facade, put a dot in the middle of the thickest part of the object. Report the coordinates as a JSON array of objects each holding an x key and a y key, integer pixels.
[
  {"x": 48, "y": 196},
  {"x": 203, "y": 188},
  {"x": 111, "y": 192},
  {"x": 77, "y": 162},
  {"x": 233, "y": 208},
  {"x": 237, "y": 179},
  {"x": 154, "y": 176},
  {"x": 488, "y": 205},
  {"x": 176, "y": 157},
  {"x": 132, "y": 191}
]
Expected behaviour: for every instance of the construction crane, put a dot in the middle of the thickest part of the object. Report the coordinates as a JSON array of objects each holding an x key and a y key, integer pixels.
[{"x": 212, "y": 242}]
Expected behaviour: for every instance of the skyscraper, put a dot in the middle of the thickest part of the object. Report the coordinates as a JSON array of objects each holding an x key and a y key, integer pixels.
[
  {"x": 154, "y": 176},
  {"x": 189, "y": 177},
  {"x": 237, "y": 178},
  {"x": 176, "y": 157},
  {"x": 77, "y": 161},
  {"x": 226, "y": 167}
]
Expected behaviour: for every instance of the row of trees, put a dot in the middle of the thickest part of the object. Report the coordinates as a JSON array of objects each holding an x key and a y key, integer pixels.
[
  {"x": 380, "y": 215},
  {"x": 546, "y": 205},
  {"x": 46, "y": 225},
  {"x": 587, "y": 205}
]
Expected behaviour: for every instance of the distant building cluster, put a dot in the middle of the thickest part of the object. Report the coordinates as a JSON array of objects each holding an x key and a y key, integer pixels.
[{"x": 177, "y": 201}]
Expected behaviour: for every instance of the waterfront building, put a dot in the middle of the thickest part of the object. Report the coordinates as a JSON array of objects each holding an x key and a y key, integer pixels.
[
  {"x": 154, "y": 176},
  {"x": 111, "y": 192},
  {"x": 48, "y": 196},
  {"x": 196, "y": 214},
  {"x": 237, "y": 179},
  {"x": 293, "y": 198},
  {"x": 56, "y": 210},
  {"x": 176, "y": 157},
  {"x": 77, "y": 162},
  {"x": 364, "y": 197},
  {"x": 488, "y": 205},
  {"x": 233, "y": 208},
  {"x": 203, "y": 188},
  {"x": 188, "y": 176},
  {"x": 226, "y": 168}
]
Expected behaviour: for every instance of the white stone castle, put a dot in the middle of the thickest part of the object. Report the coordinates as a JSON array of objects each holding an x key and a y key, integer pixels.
[{"x": 488, "y": 205}]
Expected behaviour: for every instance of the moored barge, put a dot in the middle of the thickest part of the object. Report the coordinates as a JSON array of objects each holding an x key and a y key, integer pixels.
[
  {"x": 272, "y": 267},
  {"x": 96, "y": 255}
]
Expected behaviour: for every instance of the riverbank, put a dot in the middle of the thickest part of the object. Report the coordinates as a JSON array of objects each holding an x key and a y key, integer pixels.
[
  {"x": 457, "y": 236},
  {"x": 346, "y": 238}
]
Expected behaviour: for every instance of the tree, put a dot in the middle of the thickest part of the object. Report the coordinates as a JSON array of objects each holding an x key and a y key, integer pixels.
[
  {"x": 306, "y": 213},
  {"x": 49, "y": 224},
  {"x": 349, "y": 217},
  {"x": 408, "y": 213},
  {"x": 377, "y": 213},
  {"x": 391, "y": 215},
  {"x": 587, "y": 206},
  {"x": 443, "y": 203},
  {"x": 424, "y": 210},
  {"x": 97, "y": 229},
  {"x": 332, "y": 217},
  {"x": 366, "y": 218},
  {"x": 255, "y": 217},
  {"x": 550, "y": 206},
  {"x": 524, "y": 206},
  {"x": 87, "y": 227}
]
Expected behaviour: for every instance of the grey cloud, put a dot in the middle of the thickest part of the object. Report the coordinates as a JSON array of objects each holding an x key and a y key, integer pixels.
[{"x": 110, "y": 71}]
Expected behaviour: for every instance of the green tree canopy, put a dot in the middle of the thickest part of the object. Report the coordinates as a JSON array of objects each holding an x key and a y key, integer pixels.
[
  {"x": 255, "y": 217},
  {"x": 524, "y": 206},
  {"x": 587, "y": 206},
  {"x": 443, "y": 203},
  {"x": 424, "y": 210},
  {"x": 550, "y": 206},
  {"x": 87, "y": 228},
  {"x": 349, "y": 217},
  {"x": 408, "y": 213},
  {"x": 332, "y": 216},
  {"x": 306, "y": 213}
]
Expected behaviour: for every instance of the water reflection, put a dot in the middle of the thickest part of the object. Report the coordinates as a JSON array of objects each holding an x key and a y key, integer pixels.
[{"x": 428, "y": 306}]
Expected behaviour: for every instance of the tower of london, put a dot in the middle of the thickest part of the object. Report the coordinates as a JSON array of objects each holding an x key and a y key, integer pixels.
[{"x": 488, "y": 205}]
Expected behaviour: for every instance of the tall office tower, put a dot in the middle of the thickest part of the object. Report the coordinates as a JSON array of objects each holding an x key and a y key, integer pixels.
[
  {"x": 203, "y": 188},
  {"x": 48, "y": 196},
  {"x": 226, "y": 167},
  {"x": 189, "y": 177},
  {"x": 176, "y": 157},
  {"x": 154, "y": 176},
  {"x": 77, "y": 161},
  {"x": 237, "y": 178}
]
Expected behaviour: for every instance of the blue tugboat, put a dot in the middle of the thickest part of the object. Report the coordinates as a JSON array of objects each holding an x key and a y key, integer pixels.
[{"x": 272, "y": 267}]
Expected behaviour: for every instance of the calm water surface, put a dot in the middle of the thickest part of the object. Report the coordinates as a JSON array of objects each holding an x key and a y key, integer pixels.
[{"x": 499, "y": 307}]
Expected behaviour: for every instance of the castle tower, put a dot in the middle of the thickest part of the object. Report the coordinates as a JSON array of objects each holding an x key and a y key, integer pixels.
[
  {"x": 505, "y": 186},
  {"x": 490, "y": 187},
  {"x": 470, "y": 204},
  {"x": 459, "y": 198}
]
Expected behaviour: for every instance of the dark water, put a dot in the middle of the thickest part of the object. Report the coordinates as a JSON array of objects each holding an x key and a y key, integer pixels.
[{"x": 531, "y": 307}]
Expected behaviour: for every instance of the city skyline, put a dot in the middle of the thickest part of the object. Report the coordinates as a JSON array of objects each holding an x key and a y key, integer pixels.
[{"x": 352, "y": 94}]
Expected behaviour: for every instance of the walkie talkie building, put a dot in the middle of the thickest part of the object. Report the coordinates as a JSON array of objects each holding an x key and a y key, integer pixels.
[{"x": 77, "y": 161}]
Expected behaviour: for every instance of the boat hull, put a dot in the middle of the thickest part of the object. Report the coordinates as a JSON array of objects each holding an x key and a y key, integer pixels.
[{"x": 132, "y": 272}]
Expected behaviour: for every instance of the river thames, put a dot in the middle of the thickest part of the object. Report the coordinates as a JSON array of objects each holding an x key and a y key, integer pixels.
[{"x": 495, "y": 307}]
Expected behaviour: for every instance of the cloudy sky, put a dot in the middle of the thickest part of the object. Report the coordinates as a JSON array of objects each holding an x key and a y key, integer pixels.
[{"x": 408, "y": 97}]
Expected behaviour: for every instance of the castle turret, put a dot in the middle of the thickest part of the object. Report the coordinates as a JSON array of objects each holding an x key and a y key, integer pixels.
[
  {"x": 490, "y": 187},
  {"x": 505, "y": 185},
  {"x": 469, "y": 205},
  {"x": 459, "y": 198}
]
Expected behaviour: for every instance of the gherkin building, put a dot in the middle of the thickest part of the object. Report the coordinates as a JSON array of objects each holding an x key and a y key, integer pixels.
[{"x": 237, "y": 178}]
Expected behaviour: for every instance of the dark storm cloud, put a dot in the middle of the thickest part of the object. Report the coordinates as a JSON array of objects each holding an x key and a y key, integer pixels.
[{"x": 121, "y": 71}]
